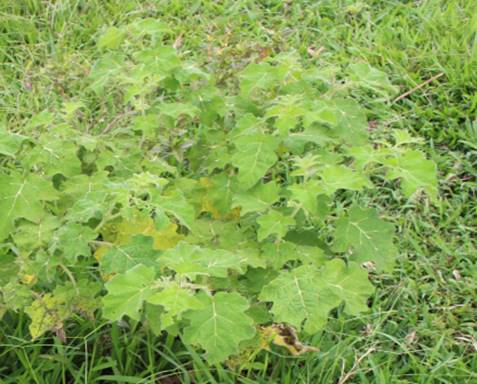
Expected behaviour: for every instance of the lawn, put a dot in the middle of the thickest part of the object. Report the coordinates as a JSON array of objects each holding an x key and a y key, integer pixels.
[{"x": 421, "y": 326}]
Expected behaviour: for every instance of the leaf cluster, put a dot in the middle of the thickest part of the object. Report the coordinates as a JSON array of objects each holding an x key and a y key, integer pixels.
[{"x": 205, "y": 212}]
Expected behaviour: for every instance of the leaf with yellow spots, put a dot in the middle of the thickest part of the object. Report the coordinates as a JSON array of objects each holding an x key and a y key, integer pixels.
[
  {"x": 165, "y": 238},
  {"x": 217, "y": 192},
  {"x": 46, "y": 313}
]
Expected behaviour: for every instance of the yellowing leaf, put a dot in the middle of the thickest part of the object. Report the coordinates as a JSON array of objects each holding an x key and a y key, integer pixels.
[
  {"x": 163, "y": 239},
  {"x": 283, "y": 336},
  {"x": 46, "y": 313},
  {"x": 167, "y": 238}
]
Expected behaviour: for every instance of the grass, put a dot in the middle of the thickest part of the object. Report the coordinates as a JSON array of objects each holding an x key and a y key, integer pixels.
[{"x": 423, "y": 324}]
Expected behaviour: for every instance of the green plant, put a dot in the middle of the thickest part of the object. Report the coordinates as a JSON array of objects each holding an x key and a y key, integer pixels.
[{"x": 204, "y": 213}]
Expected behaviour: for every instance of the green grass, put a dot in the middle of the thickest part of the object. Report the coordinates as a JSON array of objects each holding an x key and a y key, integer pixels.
[{"x": 422, "y": 327}]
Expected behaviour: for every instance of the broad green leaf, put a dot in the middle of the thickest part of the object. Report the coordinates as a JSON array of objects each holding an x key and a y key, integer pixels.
[
  {"x": 10, "y": 143},
  {"x": 111, "y": 38},
  {"x": 175, "y": 300},
  {"x": 80, "y": 297},
  {"x": 306, "y": 194},
  {"x": 220, "y": 325},
  {"x": 174, "y": 203},
  {"x": 257, "y": 76},
  {"x": 287, "y": 111},
  {"x": 152, "y": 318},
  {"x": 120, "y": 259},
  {"x": 93, "y": 205},
  {"x": 364, "y": 155},
  {"x": 147, "y": 124},
  {"x": 257, "y": 199},
  {"x": 254, "y": 156},
  {"x": 175, "y": 110},
  {"x": 106, "y": 69},
  {"x": 54, "y": 155},
  {"x": 365, "y": 75},
  {"x": 278, "y": 254},
  {"x": 21, "y": 197},
  {"x": 191, "y": 261},
  {"x": 149, "y": 26},
  {"x": 16, "y": 295},
  {"x": 351, "y": 126},
  {"x": 163, "y": 232},
  {"x": 8, "y": 267},
  {"x": 415, "y": 172},
  {"x": 299, "y": 297},
  {"x": 29, "y": 236},
  {"x": 160, "y": 60},
  {"x": 73, "y": 239},
  {"x": 273, "y": 223},
  {"x": 349, "y": 282},
  {"x": 340, "y": 177},
  {"x": 127, "y": 292},
  {"x": 401, "y": 136},
  {"x": 79, "y": 186},
  {"x": 247, "y": 124},
  {"x": 306, "y": 295},
  {"x": 228, "y": 236},
  {"x": 367, "y": 236},
  {"x": 322, "y": 113},
  {"x": 256, "y": 278}
]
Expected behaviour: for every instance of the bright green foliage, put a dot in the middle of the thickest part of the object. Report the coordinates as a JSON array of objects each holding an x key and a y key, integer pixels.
[
  {"x": 220, "y": 325},
  {"x": 257, "y": 199},
  {"x": 191, "y": 261},
  {"x": 255, "y": 154},
  {"x": 278, "y": 254},
  {"x": 29, "y": 235},
  {"x": 307, "y": 294},
  {"x": 371, "y": 78},
  {"x": 257, "y": 76},
  {"x": 369, "y": 238},
  {"x": 122, "y": 258},
  {"x": 22, "y": 197},
  {"x": 415, "y": 172},
  {"x": 340, "y": 177},
  {"x": 273, "y": 223},
  {"x": 349, "y": 282},
  {"x": 111, "y": 38},
  {"x": 73, "y": 239},
  {"x": 176, "y": 204},
  {"x": 175, "y": 300},
  {"x": 201, "y": 210},
  {"x": 126, "y": 293},
  {"x": 10, "y": 143}
]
